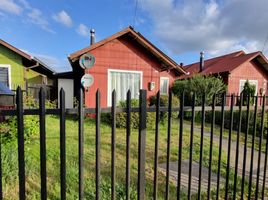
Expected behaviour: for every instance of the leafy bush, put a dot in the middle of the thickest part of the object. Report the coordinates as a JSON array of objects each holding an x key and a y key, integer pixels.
[
  {"x": 164, "y": 103},
  {"x": 121, "y": 119},
  {"x": 199, "y": 85},
  {"x": 208, "y": 119},
  {"x": 8, "y": 128}
]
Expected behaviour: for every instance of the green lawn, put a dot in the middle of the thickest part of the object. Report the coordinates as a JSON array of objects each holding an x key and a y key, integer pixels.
[{"x": 10, "y": 169}]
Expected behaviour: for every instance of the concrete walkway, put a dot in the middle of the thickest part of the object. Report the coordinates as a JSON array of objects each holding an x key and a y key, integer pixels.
[{"x": 185, "y": 164}]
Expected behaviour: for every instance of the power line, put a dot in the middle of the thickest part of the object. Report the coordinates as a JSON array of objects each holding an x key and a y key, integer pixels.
[
  {"x": 135, "y": 13},
  {"x": 265, "y": 42}
]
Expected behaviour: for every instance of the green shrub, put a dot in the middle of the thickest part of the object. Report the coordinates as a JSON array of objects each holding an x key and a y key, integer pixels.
[
  {"x": 8, "y": 128},
  {"x": 134, "y": 116},
  {"x": 199, "y": 85},
  {"x": 121, "y": 119},
  {"x": 208, "y": 119},
  {"x": 164, "y": 103}
]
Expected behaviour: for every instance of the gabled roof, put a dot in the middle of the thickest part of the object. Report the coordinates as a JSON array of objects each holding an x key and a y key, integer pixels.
[
  {"x": 225, "y": 64},
  {"x": 169, "y": 64},
  {"x": 16, "y": 50},
  {"x": 28, "y": 60}
]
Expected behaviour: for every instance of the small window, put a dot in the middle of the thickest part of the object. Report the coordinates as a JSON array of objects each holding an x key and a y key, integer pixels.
[
  {"x": 121, "y": 81},
  {"x": 164, "y": 85},
  {"x": 4, "y": 75},
  {"x": 251, "y": 82}
]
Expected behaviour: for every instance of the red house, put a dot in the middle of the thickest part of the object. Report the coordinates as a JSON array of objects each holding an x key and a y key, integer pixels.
[
  {"x": 123, "y": 61},
  {"x": 234, "y": 68}
]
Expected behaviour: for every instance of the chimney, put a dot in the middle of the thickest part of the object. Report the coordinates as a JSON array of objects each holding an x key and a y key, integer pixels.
[
  {"x": 92, "y": 36},
  {"x": 201, "y": 68}
]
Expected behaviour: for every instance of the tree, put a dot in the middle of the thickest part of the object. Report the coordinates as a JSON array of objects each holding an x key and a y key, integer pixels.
[
  {"x": 248, "y": 90},
  {"x": 200, "y": 85}
]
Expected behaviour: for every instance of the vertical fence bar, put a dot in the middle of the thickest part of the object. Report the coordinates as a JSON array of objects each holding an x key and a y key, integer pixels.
[
  {"x": 180, "y": 146},
  {"x": 157, "y": 113},
  {"x": 211, "y": 146},
  {"x": 1, "y": 184},
  {"x": 229, "y": 148},
  {"x": 62, "y": 145},
  {"x": 245, "y": 148},
  {"x": 220, "y": 145},
  {"x": 201, "y": 145},
  {"x": 260, "y": 147},
  {"x": 191, "y": 147},
  {"x": 142, "y": 144},
  {"x": 128, "y": 123},
  {"x": 42, "y": 122},
  {"x": 113, "y": 146},
  {"x": 168, "y": 143},
  {"x": 81, "y": 144},
  {"x": 97, "y": 172},
  {"x": 21, "y": 158},
  {"x": 265, "y": 166},
  {"x": 252, "y": 148},
  {"x": 237, "y": 148}
]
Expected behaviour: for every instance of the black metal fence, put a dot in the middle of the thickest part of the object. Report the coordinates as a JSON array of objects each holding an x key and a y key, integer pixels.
[{"x": 255, "y": 177}]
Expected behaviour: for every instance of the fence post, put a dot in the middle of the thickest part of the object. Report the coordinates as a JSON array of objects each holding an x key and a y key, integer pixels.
[
  {"x": 62, "y": 145},
  {"x": 21, "y": 159},
  {"x": 81, "y": 143},
  {"x": 113, "y": 145},
  {"x": 97, "y": 168},
  {"x": 142, "y": 144},
  {"x": 168, "y": 143},
  {"x": 42, "y": 119},
  {"x": 128, "y": 124}
]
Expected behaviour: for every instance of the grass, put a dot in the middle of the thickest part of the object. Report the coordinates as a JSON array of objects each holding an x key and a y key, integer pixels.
[{"x": 10, "y": 169}]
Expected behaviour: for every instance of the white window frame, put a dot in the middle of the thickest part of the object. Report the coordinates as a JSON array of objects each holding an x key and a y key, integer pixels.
[
  {"x": 9, "y": 73},
  {"x": 255, "y": 82},
  {"x": 109, "y": 100},
  {"x": 164, "y": 78}
]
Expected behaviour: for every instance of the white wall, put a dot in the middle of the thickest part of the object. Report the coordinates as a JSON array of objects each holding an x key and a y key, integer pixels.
[{"x": 68, "y": 86}]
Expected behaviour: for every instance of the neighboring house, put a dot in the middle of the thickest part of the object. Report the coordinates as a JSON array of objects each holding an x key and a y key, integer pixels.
[
  {"x": 17, "y": 68},
  {"x": 65, "y": 80},
  {"x": 234, "y": 68},
  {"x": 125, "y": 60}
]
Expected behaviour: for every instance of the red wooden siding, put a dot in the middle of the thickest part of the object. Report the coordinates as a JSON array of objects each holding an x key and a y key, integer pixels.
[
  {"x": 123, "y": 54},
  {"x": 248, "y": 70}
]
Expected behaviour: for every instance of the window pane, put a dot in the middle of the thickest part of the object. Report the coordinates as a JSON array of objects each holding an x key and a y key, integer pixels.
[
  {"x": 164, "y": 85},
  {"x": 124, "y": 81},
  {"x": 4, "y": 75}
]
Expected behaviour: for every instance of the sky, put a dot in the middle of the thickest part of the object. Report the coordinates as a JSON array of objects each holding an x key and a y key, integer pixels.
[{"x": 53, "y": 29}]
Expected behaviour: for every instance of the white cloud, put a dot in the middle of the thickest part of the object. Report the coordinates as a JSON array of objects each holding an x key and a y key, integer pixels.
[
  {"x": 36, "y": 17},
  {"x": 214, "y": 26},
  {"x": 63, "y": 18},
  {"x": 83, "y": 30},
  {"x": 26, "y": 11},
  {"x": 10, "y": 6}
]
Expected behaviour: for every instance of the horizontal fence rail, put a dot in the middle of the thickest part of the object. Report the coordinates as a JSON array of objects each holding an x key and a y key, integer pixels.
[{"x": 217, "y": 150}]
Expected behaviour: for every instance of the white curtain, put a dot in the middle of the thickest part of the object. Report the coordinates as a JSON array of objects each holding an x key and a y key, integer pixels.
[
  {"x": 164, "y": 85},
  {"x": 122, "y": 82}
]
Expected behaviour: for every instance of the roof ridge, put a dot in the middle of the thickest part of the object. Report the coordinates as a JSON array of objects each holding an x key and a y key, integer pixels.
[
  {"x": 218, "y": 57},
  {"x": 8, "y": 45},
  {"x": 140, "y": 39}
]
